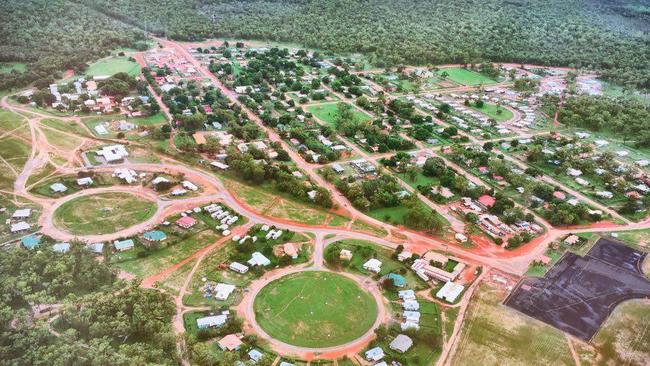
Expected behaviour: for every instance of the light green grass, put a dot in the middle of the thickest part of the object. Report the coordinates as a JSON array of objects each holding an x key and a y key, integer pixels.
[
  {"x": 392, "y": 215},
  {"x": 490, "y": 110},
  {"x": 328, "y": 112},
  {"x": 466, "y": 77},
  {"x": 315, "y": 309},
  {"x": 112, "y": 65},
  {"x": 7, "y": 67},
  {"x": 103, "y": 213}
]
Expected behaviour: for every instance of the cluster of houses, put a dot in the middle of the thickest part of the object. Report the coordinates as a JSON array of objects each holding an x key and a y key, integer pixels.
[
  {"x": 492, "y": 224},
  {"x": 218, "y": 291},
  {"x": 18, "y": 221}
]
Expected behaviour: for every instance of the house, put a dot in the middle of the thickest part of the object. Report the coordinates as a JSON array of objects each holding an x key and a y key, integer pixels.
[
  {"x": 30, "y": 242},
  {"x": 411, "y": 316},
  {"x": 83, "y": 182},
  {"x": 113, "y": 153},
  {"x": 290, "y": 250},
  {"x": 128, "y": 175},
  {"x": 406, "y": 295},
  {"x": 337, "y": 168},
  {"x": 461, "y": 238},
  {"x": 284, "y": 363},
  {"x": 22, "y": 213},
  {"x": 487, "y": 201},
  {"x": 211, "y": 321},
  {"x": 179, "y": 192},
  {"x": 186, "y": 222},
  {"x": 373, "y": 265},
  {"x": 411, "y": 305},
  {"x": 58, "y": 188},
  {"x": 158, "y": 180},
  {"x": 398, "y": 280},
  {"x": 190, "y": 186},
  {"x": 559, "y": 195},
  {"x": 255, "y": 355},
  {"x": 605, "y": 194},
  {"x": 155, "y": 235},
  {"x": 582, "y": 182},
  {"x": 450, "y": 291},
  {"x": 230, "y": 343},
  {"x": 20, "y": 226},
  {"x": 404, "y": 255},
  {"x": 573, "y": 172},
  {"x": 199, "y": 138},
  {"x": 238, "y": 267},
  {"x": 572, "y": 239},
  {"x": 258, "y": 259},
  {"x": 375, "y": 354},
  {"x": 219, "y": 165},
  {"x": 97, "y": 248},
  {"x": 345, "y": 255},
  {"x": 436, "y": 257},
  {"x": 223, "y": 291},
  {"x": 401, "y": 343},
  {"x": 123, "y": 245},
  {"x": 61, "y": 247}
]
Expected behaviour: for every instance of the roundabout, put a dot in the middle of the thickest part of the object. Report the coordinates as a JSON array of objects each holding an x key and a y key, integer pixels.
[
  {"x": 103, "y": 213},
  {"x": 314, "y": 309}
]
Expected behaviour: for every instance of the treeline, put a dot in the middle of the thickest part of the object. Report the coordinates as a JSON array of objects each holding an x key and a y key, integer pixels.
[
  {"x": 52, "y": 36},
  {"x": 555, "y": 32}
]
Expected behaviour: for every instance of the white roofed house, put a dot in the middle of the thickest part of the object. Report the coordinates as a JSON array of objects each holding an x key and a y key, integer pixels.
[
  {"x": 83, "y": 182},
  {"x": 238, "y": 267},
  {"x": 401, "y": 343},
  {"x": 258, "y": 259},
  {"x": 223, "y": 291},
  {"x": 19, "y": 226},
  {"x": 211, "y": 321},
  {"x": 373, "y": 265},
  {"x": 113, "y": 153},
  {"x": 374, "y": 354},
  {"x": 58, "y": 188},
  {"x": 189, "y": 185},
  {"x": 450, "y": 292},
  {"x": 22, "y": 213}
]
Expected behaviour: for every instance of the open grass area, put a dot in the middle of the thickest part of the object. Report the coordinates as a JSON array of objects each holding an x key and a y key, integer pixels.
[
  {"x": 492, "y": 111},
  {"x": 62, "y": 141},
  {"x": 65, "y": 126},
  {"x": 466, "y": 77},
  {"x": 315, "y": 309},
  {"x": 623, "y": 338},
  {"x": 493, "y": 334},
  {"x": 7, "y": 67},
  {"x": 112, "y": 65},
  {"x": 103, "y": 213},
  {"x": 327, "y": 112},
  {"x": 160, "y": 259},
  {"x": 152, "y": 120},
  {"x": 391, "y": 215}
]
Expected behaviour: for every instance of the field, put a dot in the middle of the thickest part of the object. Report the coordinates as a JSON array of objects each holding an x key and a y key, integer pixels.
[
  {"x": 112, "y": 65},
  {"x": 14, "y": 147},
  {"x": 7, "y": 67},
  {"x": 103, "y": 213},
  {"x": 327, "y": 112},
  {"x": 490, "y": 110},
  {"x": 315, "y": 309},
  {"x": 495, "y": 335},
  {"x": 623, "y": 339},
  {"x": 466, "y": 77}
]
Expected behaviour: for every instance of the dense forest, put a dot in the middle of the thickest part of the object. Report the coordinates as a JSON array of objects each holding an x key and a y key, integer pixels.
[{"x": 609, "y": 35}]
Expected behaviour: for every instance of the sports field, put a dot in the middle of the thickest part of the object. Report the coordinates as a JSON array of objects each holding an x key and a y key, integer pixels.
[
  {"x": 315, "y": 309},
  {"x": 112, "y": 65},
  {"x": 491, "y": 111},
  {"x": 466, "y": 77},
  {"x": 103, "y": 213},
  {"x": 328, "y": 112}
]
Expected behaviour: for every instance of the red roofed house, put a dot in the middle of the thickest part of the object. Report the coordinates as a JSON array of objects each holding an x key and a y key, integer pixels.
[
  {"x": 186, "y": 222},
  {"x": 487, "y": 201},
  {"x": 207, "y": 109},
  {"x": 559, "y": 195},
  {"x": 483, "y": 170}
]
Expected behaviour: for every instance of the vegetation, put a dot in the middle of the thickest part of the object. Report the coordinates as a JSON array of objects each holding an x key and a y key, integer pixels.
[{"x": 315, "y": 309}]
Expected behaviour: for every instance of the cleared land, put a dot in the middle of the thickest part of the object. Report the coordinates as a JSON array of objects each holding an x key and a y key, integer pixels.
[
  {"x": 495, "y": 335},
  {"x": 466, "y": 77},
  {"x": 315, "y": 309},
  {"x": 492, "y": 111},
  {"x": 113, "y": 65},
  {"x": 329, "y": 111},
  {"x": 103, "y": 213},
  {"x": 7, "y": 67}
]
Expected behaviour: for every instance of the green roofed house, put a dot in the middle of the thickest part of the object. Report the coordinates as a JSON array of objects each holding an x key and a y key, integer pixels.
[
  {"x": 31, "y": 241},
  {"x": 398, "y": 280},
  {"x": 155, "y": 235}
]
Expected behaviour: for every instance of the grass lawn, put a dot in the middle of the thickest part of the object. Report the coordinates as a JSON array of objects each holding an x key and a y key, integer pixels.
[
  {"x": 70, "y": 127},
  {"x": 392, "y": 215},
  {"x": 112, "y": 65},
  {"x": 60, "y": 140},
  {"x": 155, "y": 119},
  {"x": 327, "y": 112},
  {"x": 420, "y": 180},
  {"x": 14, "y": 152},
  {"x": 315, "y": 309},
  {"x": 171, "y": 254},
  {"x": 103, "y": 213},
  {"x": 493, "y": 334},
  {"x": 466, "y": 77},
  {"x": 491, "y": 111},
  {"x": 7, "y": 67}
]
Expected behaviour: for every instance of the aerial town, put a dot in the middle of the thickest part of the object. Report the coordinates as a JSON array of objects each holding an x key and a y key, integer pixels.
[{"x": 244, "y": 202}]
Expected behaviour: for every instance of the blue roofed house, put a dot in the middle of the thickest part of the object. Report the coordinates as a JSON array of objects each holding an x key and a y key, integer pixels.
[
  {"x": 398, "y": 280},
  {"x": 255, "y": 355},
  {"x": 155, "y": 235},
  {"x": 31, "y": 241},
  {"x": 122, "y": 245}
]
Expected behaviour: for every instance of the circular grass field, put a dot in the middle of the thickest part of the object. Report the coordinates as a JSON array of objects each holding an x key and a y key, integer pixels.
[
  {"x": 314, "y": 309},
  {"x": 103, "y": 213}
]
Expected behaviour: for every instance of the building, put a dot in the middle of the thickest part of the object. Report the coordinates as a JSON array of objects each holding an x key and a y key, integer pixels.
[
  {"x": 401, "y": 343},
  {"x": 375, "y": 354},
  {"x": 20, "y": 226},
  {"x": 219, "y": 165},
  {"x": 223, "y": 291},
  {"x": 411, "y": 305},
  {"x": 398, "y": 280},
  {"x": 258, "y": 259},
  {"x": 230, "y": 343},
  {"x": 30, "y": 242},
  {"x": 61, "y": 247},
  {"x": 487, "y": 201},
  {"x": 190, "y": 186},
  {"x": 84, "y": 182},
  {"x": 97, "y": 248},
  {"x": 572, "y": 239},
  {"x": 155, "y": 235},
  {"x": 345, "y": 255},
  {"x": 238, "y": 267},
  {"x": 113, "y": 153},
  {"x": 255, "y": 355},
  {"x": 123, "y": 245},
  {"x": 373, "y": 265},
  {"x": 406, "y": 295},
  {"x": 211, "y": 321},
  {"x": 450, "y": 292},
  {"x": 58, "y": 188},
  {"x": 22, "y": 213},
  {"x": 404, "y": 255},
  {"x": 186, "y": 222}
]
